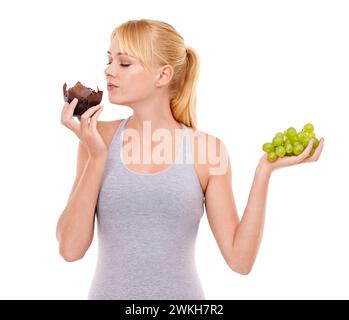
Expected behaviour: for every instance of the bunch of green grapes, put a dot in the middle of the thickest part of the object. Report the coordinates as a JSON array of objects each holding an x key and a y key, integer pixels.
[{"x": 290, "y": 143}]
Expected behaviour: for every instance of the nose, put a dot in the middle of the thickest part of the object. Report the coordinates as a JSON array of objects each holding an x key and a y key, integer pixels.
[
  {"x": 107, "y": 71},
  {"x": 110, "y": 70}
]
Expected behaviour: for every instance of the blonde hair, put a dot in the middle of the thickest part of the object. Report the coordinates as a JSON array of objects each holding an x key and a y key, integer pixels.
[{"x": 156, "y": 43}]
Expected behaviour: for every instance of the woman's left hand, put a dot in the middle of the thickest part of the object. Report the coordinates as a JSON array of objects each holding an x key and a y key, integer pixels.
[{"x": 287, "y": 161}]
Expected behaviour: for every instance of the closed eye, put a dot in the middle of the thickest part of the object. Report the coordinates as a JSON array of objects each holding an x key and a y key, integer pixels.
[{"x": 123, "y": 65}]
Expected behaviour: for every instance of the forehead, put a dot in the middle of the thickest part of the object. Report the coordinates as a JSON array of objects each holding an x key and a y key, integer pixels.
[
  {"x": 115, "y": 49},
  {"x": 114, "y": 45}
]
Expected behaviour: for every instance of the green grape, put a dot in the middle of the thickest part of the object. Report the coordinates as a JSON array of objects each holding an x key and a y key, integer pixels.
[
  {"x": 272, "y": 156},
  {"x": 316, "y": 143},
  {"x": 279, "y": 134},
  {"x": 268, "y": 147},
  {"x": 280, "y": 151},
  {"x": 277, "y": 141},
  {"x": 290, "y": 142},
  {"x": 294, "y": 139},
  {"x": 301, "y": 137},
  {"x": 291, "y": 132},
  {"x": 308, "y": 128},
  {"x": 306, "y": 141},
  {"x": 306, "y": 134},
  {"x": 288, "y": 148},
  {"x": 298, "y": 149}
]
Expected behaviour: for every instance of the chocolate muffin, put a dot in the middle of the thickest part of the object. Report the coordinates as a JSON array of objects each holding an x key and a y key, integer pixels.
[{"x": 87, "y": 97}]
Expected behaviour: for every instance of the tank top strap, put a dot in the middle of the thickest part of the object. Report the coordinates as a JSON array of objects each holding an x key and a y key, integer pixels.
[
  {"x": 121, "y": 128},
  {"x": 186, "y": 148},
  {"x": 115, "y": 142}
]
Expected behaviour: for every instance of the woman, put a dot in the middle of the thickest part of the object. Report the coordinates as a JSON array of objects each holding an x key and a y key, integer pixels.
[{"x": 148, "y": 211}]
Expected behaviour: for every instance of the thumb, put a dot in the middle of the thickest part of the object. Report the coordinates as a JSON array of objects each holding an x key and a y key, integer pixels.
[{"x": 93, "y": 120}]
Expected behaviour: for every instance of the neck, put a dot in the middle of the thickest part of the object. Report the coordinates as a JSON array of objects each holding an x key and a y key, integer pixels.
[{"x": 159, "y": 117}]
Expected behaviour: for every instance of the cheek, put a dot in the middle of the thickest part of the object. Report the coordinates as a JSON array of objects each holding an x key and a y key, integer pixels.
[
  {"x": 136, "y": 74},
  {"x": 138, "y": 81}
]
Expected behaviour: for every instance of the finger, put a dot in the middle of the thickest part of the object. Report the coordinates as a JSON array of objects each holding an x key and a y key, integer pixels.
[
  {"x": 93, "y": 122},
  {"x": 86, "y": 115},
  {"x": 66, "y": 115},
  {"x": 317, "y": 152},
  {"x": 64, "y": 111},
  {"x": 280, "y": 162},
  {"x": 285, "y": 161},
  {"x": 292, "y": 160},
  {"x": 70, "y": 107},
  {"x": 264, "y": 157},
  {"x": 306, "y": 152}
]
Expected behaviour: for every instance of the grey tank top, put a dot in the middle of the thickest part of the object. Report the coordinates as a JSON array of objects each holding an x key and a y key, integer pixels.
[{"x": 147, "y": 226}]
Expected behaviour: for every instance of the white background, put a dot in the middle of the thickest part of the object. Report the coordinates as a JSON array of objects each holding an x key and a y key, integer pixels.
[{"x": 265, "y": 66}]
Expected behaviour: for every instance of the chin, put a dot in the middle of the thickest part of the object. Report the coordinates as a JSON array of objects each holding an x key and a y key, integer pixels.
[{"x": 115, "y": 100}]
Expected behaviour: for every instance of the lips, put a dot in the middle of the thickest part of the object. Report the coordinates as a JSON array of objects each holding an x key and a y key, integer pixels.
[{"x": 112, "y": 85}]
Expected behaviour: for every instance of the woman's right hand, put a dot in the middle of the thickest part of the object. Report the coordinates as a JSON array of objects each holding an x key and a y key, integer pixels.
[{"x": 86, "y": 131}]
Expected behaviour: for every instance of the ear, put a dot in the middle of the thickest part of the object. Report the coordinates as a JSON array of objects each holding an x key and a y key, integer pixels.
[{"x": 164, "y": 75}]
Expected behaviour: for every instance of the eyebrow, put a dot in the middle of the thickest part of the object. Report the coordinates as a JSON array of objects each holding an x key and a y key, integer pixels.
[{"x": 120, "y": 54}]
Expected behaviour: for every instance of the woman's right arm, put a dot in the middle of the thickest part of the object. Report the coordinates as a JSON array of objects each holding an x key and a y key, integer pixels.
[{"x": 75, "y": 226}]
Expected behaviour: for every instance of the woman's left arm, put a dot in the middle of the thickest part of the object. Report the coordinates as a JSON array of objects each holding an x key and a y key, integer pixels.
[{"x": 239, "y": 241}]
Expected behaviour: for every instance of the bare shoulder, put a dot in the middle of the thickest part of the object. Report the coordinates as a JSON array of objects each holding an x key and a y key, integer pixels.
[
  {"x": 207, "y": 143},
  {"x": 210, "y": 152},
  {"x": 107, "y": 129}
]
